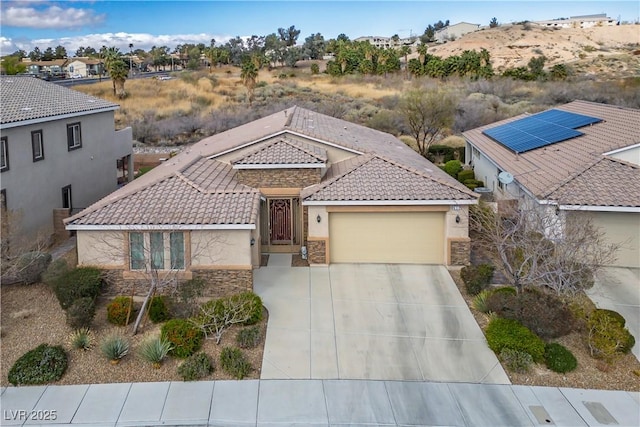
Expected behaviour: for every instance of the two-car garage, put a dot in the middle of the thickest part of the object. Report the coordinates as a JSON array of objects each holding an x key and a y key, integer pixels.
[{"x": 387, "y": 237}]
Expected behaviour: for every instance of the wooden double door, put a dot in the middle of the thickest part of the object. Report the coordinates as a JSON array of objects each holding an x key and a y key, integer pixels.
[{"x": 281, "y": 224}]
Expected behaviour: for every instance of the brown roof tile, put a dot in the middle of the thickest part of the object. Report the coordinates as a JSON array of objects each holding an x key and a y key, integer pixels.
[{"x": 283, "y": 151}]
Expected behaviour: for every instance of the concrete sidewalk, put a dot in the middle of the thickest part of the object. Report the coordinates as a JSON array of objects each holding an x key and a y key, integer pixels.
[{"x": 317, "y": 403}]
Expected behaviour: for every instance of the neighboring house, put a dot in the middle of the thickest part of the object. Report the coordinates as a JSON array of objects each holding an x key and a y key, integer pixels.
[
  {"x": 389, "y": 42},
  {"x": 454, "y": 32},
  {"x": 581, "y": 158},
  {"x": 56, "y": 67},
  {"x": 83, "y": 66},
  {"x": 582, "y": 21},
  {"x": 295, "y": 181},
  {"x": 59, "y": 150}
]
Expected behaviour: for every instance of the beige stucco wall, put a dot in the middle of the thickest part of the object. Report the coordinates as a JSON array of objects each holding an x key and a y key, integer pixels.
[
  {"x": 624, "y": 228},
  {"x": 101, "y": 248},
  {"x": 318, "y": 229},
  {"x": 227, "y": 248}
]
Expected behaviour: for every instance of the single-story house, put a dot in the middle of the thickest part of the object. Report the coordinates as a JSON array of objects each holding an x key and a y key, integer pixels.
[
  {"x": 296, "y": 182},
  {"x": 581, "y": 158},
  {"x": 455, "y": 31}
]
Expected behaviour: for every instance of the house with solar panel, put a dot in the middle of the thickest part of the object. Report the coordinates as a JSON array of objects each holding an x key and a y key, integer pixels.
[
  {"x": 580, "y": 158},
  {"x": 59, "y": 153}
]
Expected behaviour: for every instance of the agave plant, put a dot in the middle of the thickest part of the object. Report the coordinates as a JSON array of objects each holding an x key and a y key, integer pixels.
[
  {"x": 154, "y": 350},
  {"x": 115, "y": 347},
  {"x": 81, "y": 339}
]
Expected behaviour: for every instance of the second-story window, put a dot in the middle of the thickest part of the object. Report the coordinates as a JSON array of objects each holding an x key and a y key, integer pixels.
[
  {"x": 74, "y": 136},
  {"x": 4, "y": 154},
  {"x": 37, "y": 147}
]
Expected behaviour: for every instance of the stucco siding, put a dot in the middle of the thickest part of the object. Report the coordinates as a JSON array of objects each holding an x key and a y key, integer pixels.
[
  {"x": 229, "y": 248},
  {"x": 623, "y": 228},
  {"x": 106, "y": 249}
]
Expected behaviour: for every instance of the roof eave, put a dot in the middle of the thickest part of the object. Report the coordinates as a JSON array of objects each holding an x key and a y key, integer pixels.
[
  {"x": 57, "y": 117},
  {"x": 388, "y": 202}
]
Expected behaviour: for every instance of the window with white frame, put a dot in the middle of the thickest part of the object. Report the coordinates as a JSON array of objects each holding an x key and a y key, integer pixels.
[
  {"x": 4, "y": 154},
  {"x": 74, "y": 136},
  {"x": 156, "y": 250},
  {"x": 37, "y": 147}
]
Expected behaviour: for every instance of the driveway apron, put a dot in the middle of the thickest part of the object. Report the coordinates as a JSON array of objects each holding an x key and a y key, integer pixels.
[{"x": 371, "y": 321}]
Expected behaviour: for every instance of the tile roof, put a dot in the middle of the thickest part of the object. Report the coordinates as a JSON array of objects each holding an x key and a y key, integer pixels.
[
  {"x": 544, "y": 169},
  {"x": 373, "y": 178},
  {"x": 204, "y": 193},
  {"x": 284, "y": 151},
  {"x": 606, "y": 182},
  {"x": 28, "y": 98}
]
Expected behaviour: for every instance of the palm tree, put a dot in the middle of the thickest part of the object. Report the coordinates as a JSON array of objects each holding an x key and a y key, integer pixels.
[
  {"x": 111, "y": 55},
  {"x": 118, "y": 71},
  {"x": 422, "y": 51},
  {"x": 249, "y": 76},
  {"x": 405, "y": 51}
]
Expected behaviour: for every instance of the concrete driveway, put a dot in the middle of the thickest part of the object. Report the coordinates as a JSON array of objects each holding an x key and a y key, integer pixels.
[
  {"x": 370, "y": 321},
  {"x": 618, "y": 289}
]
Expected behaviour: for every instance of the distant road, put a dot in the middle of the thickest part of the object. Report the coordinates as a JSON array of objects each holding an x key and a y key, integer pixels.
[{"x": 91, "y": 80}]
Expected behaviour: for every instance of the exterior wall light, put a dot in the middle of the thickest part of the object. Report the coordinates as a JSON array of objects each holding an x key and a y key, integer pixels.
[
  {"x": 457, "y": 219},
  {"x": 253, "y": 241},
  {"x": 318, "y": 219}
]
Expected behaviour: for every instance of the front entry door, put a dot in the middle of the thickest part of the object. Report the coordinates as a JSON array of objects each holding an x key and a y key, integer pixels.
[{"x": 281, "y": 230}]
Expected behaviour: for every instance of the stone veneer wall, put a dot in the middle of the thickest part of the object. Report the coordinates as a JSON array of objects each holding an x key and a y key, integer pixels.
[
  {"x": 219, "y": 283},
  {"x": 278, "y": 178},
  {"x": 460, "y": 251},
  {"x": 317, "y": 251}
]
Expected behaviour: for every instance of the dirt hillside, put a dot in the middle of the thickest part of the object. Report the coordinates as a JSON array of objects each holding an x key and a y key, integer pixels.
[{"x": 591, "y": 50}]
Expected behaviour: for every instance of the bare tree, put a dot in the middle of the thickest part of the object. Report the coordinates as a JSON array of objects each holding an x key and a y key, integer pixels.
[
  {"x": 427, "y": 113},
  {"x": 22, "y": 252},
  {"x": 216, "y": 317},
  {"x": 539, "y": 246}
]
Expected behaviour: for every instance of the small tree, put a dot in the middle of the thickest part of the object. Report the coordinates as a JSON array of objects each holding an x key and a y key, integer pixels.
[
  {"x": 539, "y": 247},
  {"x": 427, "y": 113},
  {"x": 249, "y": 76}
]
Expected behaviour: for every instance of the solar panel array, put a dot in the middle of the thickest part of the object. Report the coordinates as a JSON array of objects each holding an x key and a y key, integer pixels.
[{"x": 540, "y": 130}]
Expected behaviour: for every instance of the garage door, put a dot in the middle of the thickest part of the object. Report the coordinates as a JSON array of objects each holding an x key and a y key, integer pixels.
[
  {"x": 622, "y": 227},
  {"x": 389, "y": 237}
]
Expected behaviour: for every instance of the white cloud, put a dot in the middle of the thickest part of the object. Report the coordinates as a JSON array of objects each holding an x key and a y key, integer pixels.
[
  {"x": 51, "y": 17},
  {"x": 120, "y": 40}
]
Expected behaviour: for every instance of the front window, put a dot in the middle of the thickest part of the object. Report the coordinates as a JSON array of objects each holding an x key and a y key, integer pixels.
[
  {"x": 74, "y": 136},
  {"x": 37, "y": 147},
  {"x": 156, "y": 250},
  {"x": 4, "y": 154}
]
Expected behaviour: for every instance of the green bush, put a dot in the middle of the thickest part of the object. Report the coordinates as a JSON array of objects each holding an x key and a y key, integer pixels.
[
  {"x": 55, "y": 271},
  {"x": 614, "y": 315},
  {"x": 185, "y": 337},
  {"x": 466, "y": 174},
  {"x": 453, "y": 167},
  {"x": 542, "y": 312},
  {"x": 154, "y": 350},
  {"x": 158, "y": 311},
  {"x": 607, "y": 336},
  {"x": 77, "y": 283},
  {"x": 196, "y": 367},
  {"x": 473, "y": 183},
  {"x": 507, "y": 333},
  {"x": 81, "y": 312},
  {"x": 81, "y": 339},
  {"x": 119, "y": 310},
  {"x": 254, "y": 306},
  {"x": 315, "y": 68},
  {"x": 32, "y": 265},
  {"x": 443, "y": 151},
  {"x": 249, "y": 337},
  {"x": 115, "y": 347},
  {"x": 559, "y": 359},
  {"x": 477, "y": 277},
  {"x": 43, "y": 364},
  {"x": 234, "y": 362},
  {"x": 480, "y": 301},
  {"x": 516, "y": 360}
]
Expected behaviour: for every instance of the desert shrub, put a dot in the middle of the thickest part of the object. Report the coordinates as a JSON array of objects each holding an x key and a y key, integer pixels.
[
  {"x": 315, "y": 68},
  {"x": 508, "y": 333},
  {"x": 81, "y": 339},
  {"x": 77, "y": 283},
  {"x": 55, "y": 271},
  {"x": 217, "y": 315},
  {"x": 184, "y": 336},
  {"x": 196, "y": 367},
  {"x": 559, "y": 359},
  {"x": 120, "y": 311},
  {"x": 472, "y": 184},
  {"x": 186, "y": 297},
  {"x": 466, "y": 175},
  {"x": 544, "y": 313},
  {"x": 154, "y": 350},
  {"x": 440, "y": 153},
  {"x": 614, "y": 315},
  {"x": 480, "y": 301},
  {"x": 114, "y": 347},
  {"x": 81, "y": 312},
  {"x": 607, "y": 336},
  {"x": 453, "y": 167},
  {"x": 158, "y": 311},
  {"x": 477, "y": 277},
  {"x": 249, "y": 337},
  {"x": 254, "y": 306},
  {"x": 234, "y": 362},
  {"x": 516, "y": 360},
  {"x": 43, "y": 364},
  {"x": 31, "y": 265}
]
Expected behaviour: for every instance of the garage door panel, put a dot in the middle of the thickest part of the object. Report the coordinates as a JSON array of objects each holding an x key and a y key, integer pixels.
[
  {"x": 389, "y": 237},
  {"x": 621, "y": 228}
]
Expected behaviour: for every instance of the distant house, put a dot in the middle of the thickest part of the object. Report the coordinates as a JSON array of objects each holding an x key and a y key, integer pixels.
[
  {"x": 389, "y": 42},
  {"x": 83, "y": 66},
  {"x": 581, "y": 21},
  {"x": 293, "y": 182},
  {"x": 60, "y": 152},
  {"x": 581, "y": 158},
  {"x": 56, "y": 67},
  {"x": 454, "y": 32}
]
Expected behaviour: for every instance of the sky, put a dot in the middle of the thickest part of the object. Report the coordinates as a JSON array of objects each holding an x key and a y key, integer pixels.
[{"x": 27, "y": 24}]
